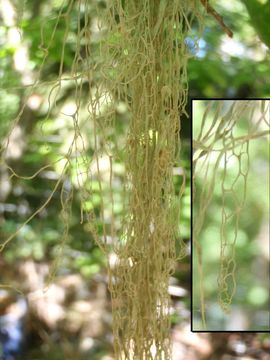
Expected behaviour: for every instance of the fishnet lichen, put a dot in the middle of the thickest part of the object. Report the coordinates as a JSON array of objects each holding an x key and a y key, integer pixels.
[
  {"x": 135, "y": 57},
  {"x": 215, "y": 148},
  {"x": 149, "y": 64}
]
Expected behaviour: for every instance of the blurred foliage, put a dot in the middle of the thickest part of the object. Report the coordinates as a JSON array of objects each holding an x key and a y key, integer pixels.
[
  {"x": 259, "y": 12},
  {"x": 236, "y": 67}
]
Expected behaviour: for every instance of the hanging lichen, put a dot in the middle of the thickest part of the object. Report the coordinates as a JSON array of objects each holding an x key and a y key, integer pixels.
[
  {"x": 129, "y": 55},
  {"x": 149, "y": 75},
  {"x": 216, "y": 147}
]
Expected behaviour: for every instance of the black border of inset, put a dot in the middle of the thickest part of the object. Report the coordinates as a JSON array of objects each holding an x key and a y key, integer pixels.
[{"x": 191, "y": 224}]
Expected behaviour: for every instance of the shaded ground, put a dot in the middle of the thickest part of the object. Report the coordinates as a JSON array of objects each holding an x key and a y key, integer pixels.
[{"x": 72, "y": 319}]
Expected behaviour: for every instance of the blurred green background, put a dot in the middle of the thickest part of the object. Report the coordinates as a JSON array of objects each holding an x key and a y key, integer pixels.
[{"x": 223, "y": 67}]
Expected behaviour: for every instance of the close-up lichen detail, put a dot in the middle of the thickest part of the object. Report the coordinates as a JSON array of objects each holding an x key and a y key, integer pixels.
[{"x": 221, "y": 162}]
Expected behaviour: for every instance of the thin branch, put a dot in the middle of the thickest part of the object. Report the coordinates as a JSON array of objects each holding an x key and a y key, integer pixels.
[{"x": 210, "y": 10}]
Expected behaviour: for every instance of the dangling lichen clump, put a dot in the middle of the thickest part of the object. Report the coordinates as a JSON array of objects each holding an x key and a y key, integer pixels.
[
  {"x": 141, "y": 66},
  {"x": 149, "y": 75}
]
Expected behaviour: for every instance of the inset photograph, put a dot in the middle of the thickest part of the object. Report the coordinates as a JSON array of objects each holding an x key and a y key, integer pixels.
[{"x": 230, "y": 215}]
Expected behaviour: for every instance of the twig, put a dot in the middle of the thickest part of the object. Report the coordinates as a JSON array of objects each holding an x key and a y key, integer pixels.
[
  {"x": 202, "y": 150},
  {"x": 210, "y": 10}
]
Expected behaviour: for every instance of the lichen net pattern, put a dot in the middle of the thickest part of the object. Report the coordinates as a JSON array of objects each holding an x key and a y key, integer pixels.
[{"x": 216, "y": 145}]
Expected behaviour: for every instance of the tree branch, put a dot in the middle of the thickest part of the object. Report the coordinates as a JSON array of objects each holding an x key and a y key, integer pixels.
[{"x": 210, "y": 10}]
